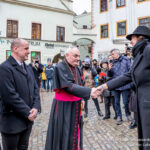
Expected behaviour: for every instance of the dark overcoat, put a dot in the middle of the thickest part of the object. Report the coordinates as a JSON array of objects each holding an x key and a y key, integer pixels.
[
  {"x": 19, "y": 93},
  {"x": 140, "y": 75}
]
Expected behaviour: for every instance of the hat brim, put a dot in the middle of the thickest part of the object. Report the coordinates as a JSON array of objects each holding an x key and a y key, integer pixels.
[{"x": 129, "y": 37}]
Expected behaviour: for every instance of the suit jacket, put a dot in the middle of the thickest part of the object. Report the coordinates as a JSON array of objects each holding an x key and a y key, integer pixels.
[
  {"x": 140, "y": 75},
  {"x": 19, "y": 93}
]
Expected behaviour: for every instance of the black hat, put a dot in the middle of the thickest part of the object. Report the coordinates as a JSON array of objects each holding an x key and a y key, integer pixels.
[{"x": 140, "y": 30}]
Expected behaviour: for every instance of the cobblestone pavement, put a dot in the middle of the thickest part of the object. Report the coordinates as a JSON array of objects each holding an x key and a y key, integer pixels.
[{"x": 98, "y": 134}]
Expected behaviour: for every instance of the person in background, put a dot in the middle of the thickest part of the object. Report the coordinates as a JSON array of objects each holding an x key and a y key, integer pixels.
[
  {"x": 94, "y": 64},
  {"x": 49, "y": 71},
  {"x": 43, "y": 78},
  {"x": 37, "y": 68},
  {"x": 119, "y": 66},
  {"x": 108, "y": 95},
  {"x": 88, "y": 80}
]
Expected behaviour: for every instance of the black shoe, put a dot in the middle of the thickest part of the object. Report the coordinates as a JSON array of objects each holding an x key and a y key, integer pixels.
[
  {"x": 100, "y": 114},
  {"x": 85, "y": 115},
  {"x": 133, "y": 125},
  {"x": 106, "y": 117},
  {"x": 115, "y": 117}
]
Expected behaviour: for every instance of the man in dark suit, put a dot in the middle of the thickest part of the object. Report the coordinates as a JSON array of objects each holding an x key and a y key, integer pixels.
[{"x": 20, "y": 100}]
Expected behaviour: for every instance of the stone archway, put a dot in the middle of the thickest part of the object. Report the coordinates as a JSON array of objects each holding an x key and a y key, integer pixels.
[
  {"x": 85, "y": 46},
  {"x": 57, "y": 58}
]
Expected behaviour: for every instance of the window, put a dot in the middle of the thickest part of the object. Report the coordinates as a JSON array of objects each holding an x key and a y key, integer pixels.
[
  {"x": 8, "y": 53},
  {"x": 12, "y": 28},
  {"x": 120, "y": 3},
  {"x": 84, "y": 26},
  {"x": 140, "y": 0},
  {"x": 104, "y": 31},
  {"x": 60, "y": 34},
  {"x": 144, "y": 22},
  {"x": 103, "y": 5},
  {"x": 121, "y": 28},
  {"x": 35, "y": 54},
  {"x": 36, "y": 31}
]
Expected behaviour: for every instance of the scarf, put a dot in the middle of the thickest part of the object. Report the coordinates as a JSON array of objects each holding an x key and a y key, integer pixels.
[{"x": 139, "y": 47}]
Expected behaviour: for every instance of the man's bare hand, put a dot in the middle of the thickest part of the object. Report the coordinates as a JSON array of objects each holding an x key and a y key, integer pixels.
[
  {"x": 110, "y": 65},
  {"x": 33, "y": 114},
  {"x": 95, "y": 92},
  {"x": 102, "y": 87}
]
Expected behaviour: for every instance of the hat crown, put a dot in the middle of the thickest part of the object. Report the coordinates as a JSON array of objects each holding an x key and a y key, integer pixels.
[{"x": 140, "y": 30}]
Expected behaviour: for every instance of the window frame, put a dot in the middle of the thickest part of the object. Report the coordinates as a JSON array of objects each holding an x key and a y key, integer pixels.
[
  {"x": 117, "y": 28},
  {"x": 32, "y": 30},
  {"x": 121, "y": 6},
  {"x": 138, "y": 19},
  {"x": 36, "y": 52},
  {"x": 63, "y": 35},
  {"x": 140, "y": 2},
  {"x": 11, "y": 32},
  {"x": 101, "y": 32},
  {"x": 6, "y": 54},
  {"x": 100, "y": 7}
]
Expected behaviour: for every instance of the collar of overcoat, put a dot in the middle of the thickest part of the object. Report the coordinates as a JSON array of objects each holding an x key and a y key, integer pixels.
[{"x": 16, "y": 65}]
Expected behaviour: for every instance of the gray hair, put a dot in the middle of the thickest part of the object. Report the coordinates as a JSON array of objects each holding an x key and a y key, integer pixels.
[
  {"x": 16, "y": 42},
  {"x": 116, "y": 51},
  {"x": 70, "y": 48}
]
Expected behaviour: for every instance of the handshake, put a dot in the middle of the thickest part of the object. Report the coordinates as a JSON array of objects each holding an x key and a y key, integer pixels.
[{"x": 95, "y": 92}]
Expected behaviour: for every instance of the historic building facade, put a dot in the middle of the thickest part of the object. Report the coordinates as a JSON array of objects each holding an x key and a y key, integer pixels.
[
  {"x": 83, "y": 34},
  {"x": 46, "y": 24},
  {"x": 114, "y": 19}
]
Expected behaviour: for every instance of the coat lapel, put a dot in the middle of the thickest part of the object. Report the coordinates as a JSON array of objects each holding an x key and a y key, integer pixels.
[{"x": 16, "y": 65}]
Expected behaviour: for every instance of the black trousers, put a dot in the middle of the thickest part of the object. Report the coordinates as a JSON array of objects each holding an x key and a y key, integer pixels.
[
  {"x": 17, "y": 141},
  {"x": 108, "y": 101},
  {"x": 96, "y": 104}
]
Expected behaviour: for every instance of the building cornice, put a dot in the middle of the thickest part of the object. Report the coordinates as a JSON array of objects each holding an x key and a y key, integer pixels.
[
  {"x": 34, "y": 40},
  {"x": 38, "y": 6}
]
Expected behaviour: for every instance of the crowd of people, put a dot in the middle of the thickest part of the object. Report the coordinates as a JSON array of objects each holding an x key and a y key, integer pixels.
[
  {"x": 97, "y": 73},
  {"x": 74, "y": 84}
]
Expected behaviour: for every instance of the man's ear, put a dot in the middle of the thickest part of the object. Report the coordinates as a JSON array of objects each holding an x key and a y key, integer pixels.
[{"x": 14, "y": 48}]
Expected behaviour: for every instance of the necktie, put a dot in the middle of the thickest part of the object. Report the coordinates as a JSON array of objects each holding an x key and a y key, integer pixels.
[{"x": 24, "y": 70}]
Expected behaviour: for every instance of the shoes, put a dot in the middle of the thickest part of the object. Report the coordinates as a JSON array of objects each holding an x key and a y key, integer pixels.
[
  {"x": 129, "y": 118},
  {"x": 100, "y": 113},
  {"x": 106, "y": 117},
  {"x": 85, "y": 115},
  {"x": 115, "y": 117},
  {"x": 119, "y": 120},
  {"x": 133, "y": 125}
]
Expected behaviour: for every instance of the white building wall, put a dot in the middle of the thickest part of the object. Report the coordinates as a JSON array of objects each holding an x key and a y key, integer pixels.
[
  {"x": 51, "y": 3},
  {"x": 83, "y": 19},
  {"x": 49, "y": 20},
  {"x": 130, "y": 13}
]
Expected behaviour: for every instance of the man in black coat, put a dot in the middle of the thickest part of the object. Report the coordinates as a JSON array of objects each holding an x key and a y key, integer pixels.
[{"x": 20, "y": 100}]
